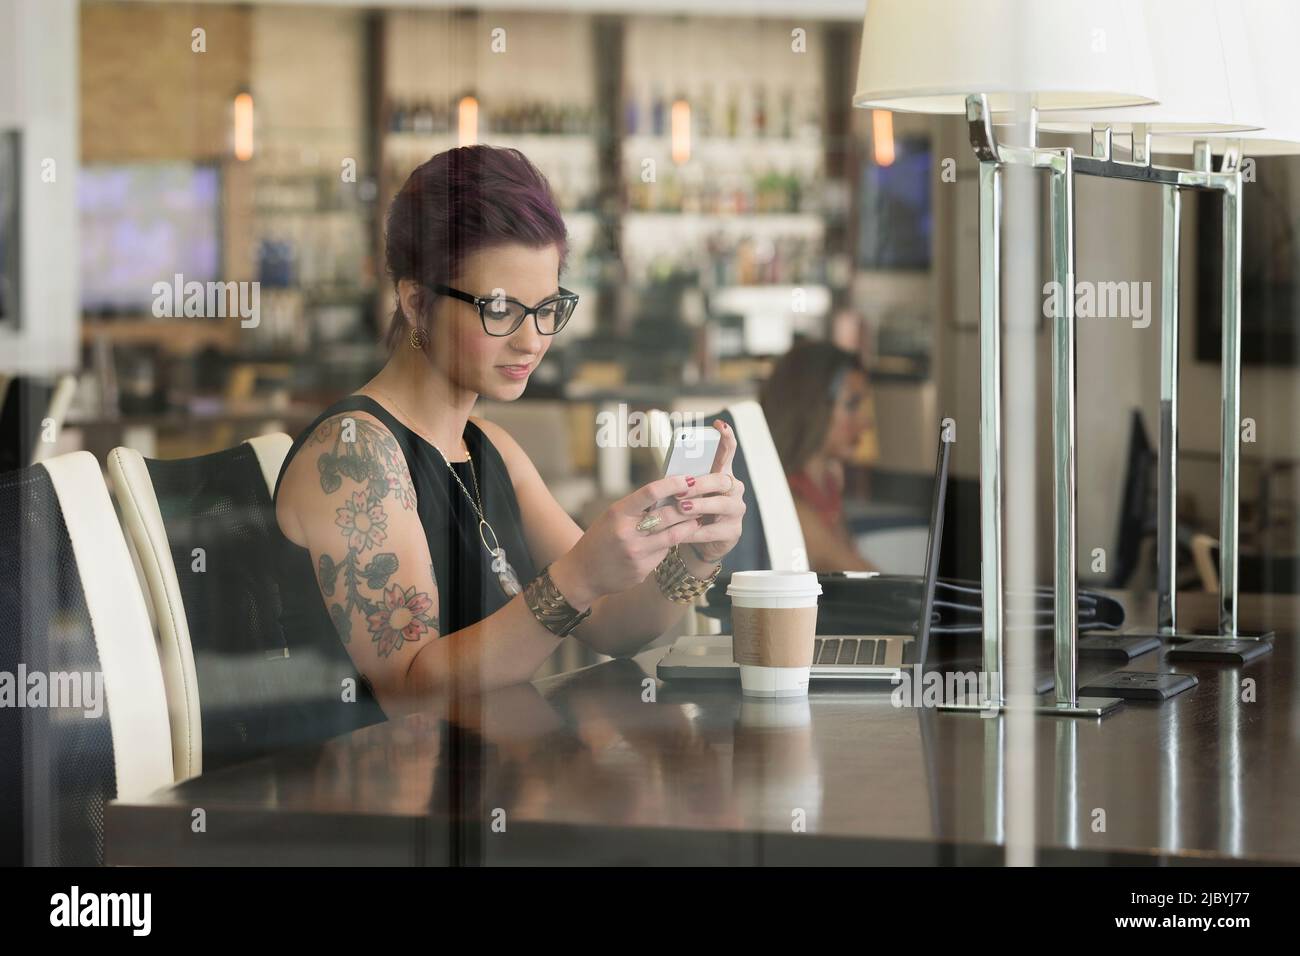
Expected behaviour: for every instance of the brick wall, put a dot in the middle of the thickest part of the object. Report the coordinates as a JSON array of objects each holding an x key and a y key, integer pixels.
[{"x": 145, "y": 95}]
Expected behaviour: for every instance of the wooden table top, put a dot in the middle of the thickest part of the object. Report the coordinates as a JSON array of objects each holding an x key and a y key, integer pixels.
[{"x": 609, "y": 765}]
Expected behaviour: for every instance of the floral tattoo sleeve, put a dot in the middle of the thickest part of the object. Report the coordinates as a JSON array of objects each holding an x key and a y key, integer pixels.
[{"x": 362, "y": 581}]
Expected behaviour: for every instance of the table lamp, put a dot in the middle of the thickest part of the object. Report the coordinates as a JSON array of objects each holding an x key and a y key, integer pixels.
[
  {"x": 1255, "y": 38},
  {"x": 929, "y": 56}
]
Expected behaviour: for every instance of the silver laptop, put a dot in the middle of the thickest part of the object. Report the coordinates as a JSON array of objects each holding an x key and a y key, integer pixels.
[{"x": 866, "y": 657}]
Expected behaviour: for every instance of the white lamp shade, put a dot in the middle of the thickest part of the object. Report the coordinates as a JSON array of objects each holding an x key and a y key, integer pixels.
[
  {"x": 1203, "y": 66},
  {"x": 927, "y": 56},
  {"x": 1272, "y": 32}
]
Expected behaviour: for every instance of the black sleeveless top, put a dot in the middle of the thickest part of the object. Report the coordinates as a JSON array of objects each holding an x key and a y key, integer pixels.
[{"x": 468, "y": 589}]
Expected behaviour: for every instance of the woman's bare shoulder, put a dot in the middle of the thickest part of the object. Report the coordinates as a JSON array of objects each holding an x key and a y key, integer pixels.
[
  {"x": 518, "y": 464},
  {"x": 497, "y": 435}
]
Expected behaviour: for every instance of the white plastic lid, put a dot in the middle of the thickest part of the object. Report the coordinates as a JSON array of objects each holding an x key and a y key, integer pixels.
[{"x": 775, "y": 584}]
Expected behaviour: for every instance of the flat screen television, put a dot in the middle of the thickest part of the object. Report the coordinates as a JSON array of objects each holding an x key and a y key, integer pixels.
[
  {"x": 143, "y": 223},
  {"x": 1270, "y": 264},
  {"x": 895, "y": 216}
]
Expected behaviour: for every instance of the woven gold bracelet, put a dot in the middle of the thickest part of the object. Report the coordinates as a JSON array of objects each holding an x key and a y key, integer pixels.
[
  {"x": 549, "y": 606},
  {"x": 676, "y": 581}
]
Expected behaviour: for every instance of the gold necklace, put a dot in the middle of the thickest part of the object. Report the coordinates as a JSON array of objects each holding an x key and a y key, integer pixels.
[{"x": 506, "y": 576}]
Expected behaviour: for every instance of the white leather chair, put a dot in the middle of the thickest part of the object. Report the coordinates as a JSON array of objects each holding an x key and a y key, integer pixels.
[
  {"x": 70, "y": 604},
  {"x": 271, "y": 450},
  {"x": 65, "y": 389},
  {"x": 143, "y": 519},
  {"x": 780, "y": 528}
]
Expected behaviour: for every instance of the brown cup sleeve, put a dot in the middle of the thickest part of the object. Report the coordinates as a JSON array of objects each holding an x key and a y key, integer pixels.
[{"x": 773, "y": 636}]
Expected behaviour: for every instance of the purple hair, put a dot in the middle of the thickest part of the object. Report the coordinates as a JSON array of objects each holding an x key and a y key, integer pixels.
[{"x": 455, "y": 204}]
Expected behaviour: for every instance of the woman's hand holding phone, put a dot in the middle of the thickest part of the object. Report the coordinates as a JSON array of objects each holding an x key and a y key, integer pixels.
[
  {"x": 721, "y": 504},
  {"x": 613, "y": 555}
]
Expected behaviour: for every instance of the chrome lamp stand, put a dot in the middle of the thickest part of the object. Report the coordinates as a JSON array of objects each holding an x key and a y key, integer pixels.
[
  {"x": 1062, "y": 164},
  {"x": 1232, "y": 642}
]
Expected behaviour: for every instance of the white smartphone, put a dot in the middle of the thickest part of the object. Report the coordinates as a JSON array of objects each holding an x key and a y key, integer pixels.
[{"x": 691, "y": 452}]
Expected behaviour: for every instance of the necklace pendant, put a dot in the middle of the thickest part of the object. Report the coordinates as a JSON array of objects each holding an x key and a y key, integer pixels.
[{"x": 505, "y": 573}]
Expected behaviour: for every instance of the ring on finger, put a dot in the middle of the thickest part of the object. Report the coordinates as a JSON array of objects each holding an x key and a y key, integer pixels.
[
  {"x": 731, "y": 487},
  {"x": 648, "y": 524}
]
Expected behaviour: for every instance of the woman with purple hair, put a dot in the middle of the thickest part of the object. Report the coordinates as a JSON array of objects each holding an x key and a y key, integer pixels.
[{"x": 421, "y": 539}]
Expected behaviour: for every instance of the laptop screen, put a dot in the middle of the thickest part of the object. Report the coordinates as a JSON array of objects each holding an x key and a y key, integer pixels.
[{"x": 933, "y": 545}]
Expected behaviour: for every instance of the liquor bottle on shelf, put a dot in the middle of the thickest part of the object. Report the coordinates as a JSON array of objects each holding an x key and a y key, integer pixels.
[
  {"x": 691, "y": 193},
  {"x": 763, "y": 199},
  {"x": 657, "y": 126},
  {"x": 422, "y": 122},
  {"x": 791, "y": 191},
  {"x": 631, "y": 114},
  {"x": 745, "y": 192},
  {"x": 702, "y": 110},
  {"x": 812, "y": 122},
  {"x": 722, "y": 187},
  {"x": 720, "y": 261},
  {"x": 542, "y": 118},
  {"x": 760, "y": 112},
  {"x": 733, "y": 113}
]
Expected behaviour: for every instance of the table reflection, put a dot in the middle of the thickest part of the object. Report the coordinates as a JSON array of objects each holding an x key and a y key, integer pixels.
[{"x": 1211, "y": 772}]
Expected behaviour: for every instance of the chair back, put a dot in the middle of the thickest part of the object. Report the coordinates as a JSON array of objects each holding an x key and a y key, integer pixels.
[
  {"x": 206, "y": 536},
  {"x": 77, "y": 648},
  {"x": 771, "y": 537},
  {"x": 31, "y": 410},
  {"x": 65, "y": 389}
]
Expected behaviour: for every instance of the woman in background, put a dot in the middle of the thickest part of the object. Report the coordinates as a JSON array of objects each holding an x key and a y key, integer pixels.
[{"x": 816, "y": 408}]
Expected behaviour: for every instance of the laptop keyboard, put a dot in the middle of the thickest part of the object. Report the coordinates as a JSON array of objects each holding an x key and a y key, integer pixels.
[{"x": 848, "y": 650}]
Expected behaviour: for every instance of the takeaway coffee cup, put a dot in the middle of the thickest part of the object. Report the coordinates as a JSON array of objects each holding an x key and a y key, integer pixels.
[{"x": 773, "y": 623}]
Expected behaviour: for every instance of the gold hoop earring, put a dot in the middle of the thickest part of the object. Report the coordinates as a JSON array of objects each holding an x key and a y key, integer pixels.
[{"x": 418, "y": 338}]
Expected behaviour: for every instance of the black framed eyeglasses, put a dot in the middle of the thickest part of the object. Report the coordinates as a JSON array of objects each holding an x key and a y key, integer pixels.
[{"x": 502, "y": 315}]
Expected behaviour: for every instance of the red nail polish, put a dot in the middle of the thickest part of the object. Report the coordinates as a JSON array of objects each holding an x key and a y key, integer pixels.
[
  {"x": 687, "y": 505},
  {"x": 690, "y": 482}
]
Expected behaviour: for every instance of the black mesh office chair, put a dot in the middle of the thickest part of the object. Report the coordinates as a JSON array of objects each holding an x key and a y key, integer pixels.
[
  {"x": 71, "y": 610},
  {"x": 750, "y": 552}
]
